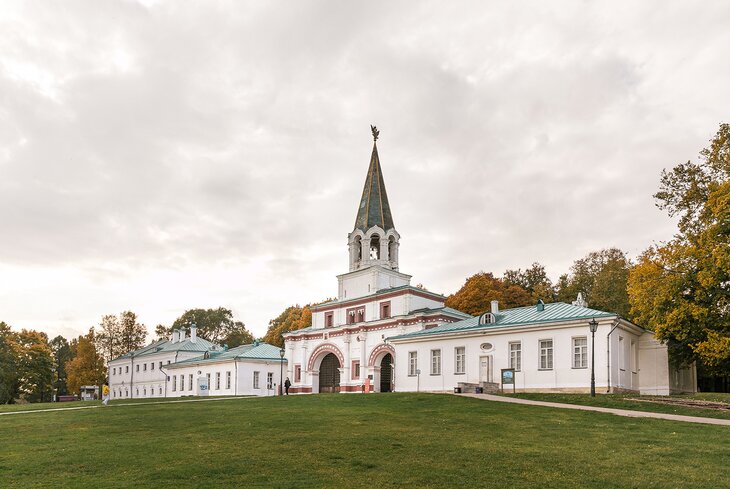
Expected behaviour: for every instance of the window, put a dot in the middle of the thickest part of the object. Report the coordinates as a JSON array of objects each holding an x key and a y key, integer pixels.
[
  {"x": 159, "y": 389},
  {"x": 114, "y": 371},
  {"x": 160, "y": 365},
  {"x": 355, "y": 315},
  {"x": 515, "y": 355},
  {"x": 460, "y": 360},
  {"x": 329, "y": 319},
  {"x": 138, "y": 367},
  {"x": 190, "y": 382},
  {"x": 384, "y": 310},
  {"x": 126, "y": 369},
  {"x": 633, "y": 358},
  {"x": 580, "y": 352},
  {"x": 355, "y": 369},
  {"x": 228, "y": 380},
  {"x": 546, "y": 354},
  {"x": 168, "y": 362},
  {"x": 435, "y": 362},
  {"x": 297, "y": 373},
  {"x": 207, "y": 376},
  {"x": 152, "y": 365},
  {"x": 217, "y": 380},
  {"x": 270, "y": 380},
  {"x": 255, "y": 380},
  {"x": 412, "y": 363},
  {"x": 182, "y": 382},
  {"x": 621, "y": 355},
  {"x": 144, "y": 367},
  {"x": 137, "y": 389},
  {"x": 144, "y": 391},
  {"x": 174, "y": 383}
]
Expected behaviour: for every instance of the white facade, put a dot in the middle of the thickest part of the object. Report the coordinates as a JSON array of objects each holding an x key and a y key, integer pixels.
[
  {"x": 229, "y": 377},
  {"x": 547, "y": 357}
]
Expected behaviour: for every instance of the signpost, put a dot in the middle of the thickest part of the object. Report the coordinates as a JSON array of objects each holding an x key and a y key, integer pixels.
[{"x": 508, "y": 377}]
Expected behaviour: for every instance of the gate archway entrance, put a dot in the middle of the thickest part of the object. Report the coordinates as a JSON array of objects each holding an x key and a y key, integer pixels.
[
  {"x": 329, "y": 374},
  {"x": 386, "y": 373}
]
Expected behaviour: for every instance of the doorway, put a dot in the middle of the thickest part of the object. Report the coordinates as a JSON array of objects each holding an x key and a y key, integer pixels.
[
  {"x": 386, "y": 373},
  {"x": 329, "y": 374},
  {"x": 485, "y": 368}
]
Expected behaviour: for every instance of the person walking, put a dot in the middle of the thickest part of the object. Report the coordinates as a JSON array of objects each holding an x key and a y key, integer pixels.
[
  {"x": 105, "y": 395},
  {"x": 287, "y": 384}
]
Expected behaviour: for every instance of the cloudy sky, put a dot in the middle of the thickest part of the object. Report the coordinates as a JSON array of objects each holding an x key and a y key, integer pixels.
[{"x": 160, "y": 156}]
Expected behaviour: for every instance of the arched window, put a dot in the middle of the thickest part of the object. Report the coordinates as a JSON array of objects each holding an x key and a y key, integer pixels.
[
  {"x": 391, "y": 248},
  {"x": 375, "y": 247},
  {"x": 358, "y": 248}
]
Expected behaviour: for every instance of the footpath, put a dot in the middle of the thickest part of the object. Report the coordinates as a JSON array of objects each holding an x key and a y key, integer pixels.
[{"x": 618, "y": 412}]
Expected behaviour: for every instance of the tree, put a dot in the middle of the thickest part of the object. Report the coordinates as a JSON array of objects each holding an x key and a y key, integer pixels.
[
  {"x": 681, "y": 289},
  {"x": 87, "y": 367},
  {"x": 291, "y": 319},
  {"x": 534, "y": 280},
  {"x": 602, "y": 277},
  {"x": 61, "y": 354},
  {"x": 132, "y": 334},
  {"x": 161, "y": 331},
  {"x": 479, "y": 290},
  {"x": 8, "y": 366},
  {"x": 216, "y": 325},
  {"x": 108, "y": 338},
  {"x": 34, "y": 361}
]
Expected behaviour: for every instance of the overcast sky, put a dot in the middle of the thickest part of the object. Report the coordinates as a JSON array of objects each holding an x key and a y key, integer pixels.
[{"x": 161, "y": 156}]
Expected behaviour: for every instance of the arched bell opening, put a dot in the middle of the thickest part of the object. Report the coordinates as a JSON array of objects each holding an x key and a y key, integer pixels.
[{"x": 375, "y": 247}]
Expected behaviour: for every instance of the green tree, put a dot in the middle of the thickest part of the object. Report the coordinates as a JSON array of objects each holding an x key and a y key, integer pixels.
[
  {"x": 681, "y": 289},
  {"x": 216, "y": 325},
  {"x": 108, "y": 337},
  {"x": 291, "y": 319},
  {"x": 61, "y": 354},
  {"x": 475, "y": 296},
  {"x": 133, "y": 334},
  {"x": 8, "y": 366},
  {"x": 602, "y": 277},
  {"x": 534, "y": 280},
  {"x": 34, "y": 365},
  {"x": 87, "y": 366}
]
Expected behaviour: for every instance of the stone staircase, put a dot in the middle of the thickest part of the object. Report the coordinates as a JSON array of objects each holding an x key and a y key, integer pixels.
[{"x": 486, "y": 387}]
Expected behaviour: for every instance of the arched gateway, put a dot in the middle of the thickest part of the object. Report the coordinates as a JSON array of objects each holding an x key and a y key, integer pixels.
[{"x": 329, "y": 374}]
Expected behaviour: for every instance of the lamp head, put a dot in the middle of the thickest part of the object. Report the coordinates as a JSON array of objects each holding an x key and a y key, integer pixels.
[{"x": 593, "y": 324}]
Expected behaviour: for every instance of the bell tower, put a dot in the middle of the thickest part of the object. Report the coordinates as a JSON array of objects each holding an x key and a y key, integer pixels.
[{"x": 374, "y": 240}]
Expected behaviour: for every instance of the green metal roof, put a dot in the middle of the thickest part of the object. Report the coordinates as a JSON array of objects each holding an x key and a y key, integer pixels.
[
  {"x": 165, "y": 346},
  {"x": 374, "y": 208},
  {"x": 377, "y": 293},
  {"x": 520, "y": 316},
  {"x": 255, "y": 351}
]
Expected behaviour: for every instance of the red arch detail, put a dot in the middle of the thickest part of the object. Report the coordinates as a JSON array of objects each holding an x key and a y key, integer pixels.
[
  {"x": 378, "y": 350},
  {"x": 325, "y": 348}
]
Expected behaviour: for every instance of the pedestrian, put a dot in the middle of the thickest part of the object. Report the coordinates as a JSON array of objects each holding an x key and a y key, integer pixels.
[
  {"x": 287, "y": 384},
  {"x": 105, "y": 395}
]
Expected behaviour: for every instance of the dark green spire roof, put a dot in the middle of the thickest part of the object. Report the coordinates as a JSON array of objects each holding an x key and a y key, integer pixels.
[{"x": 374, "y": 208}]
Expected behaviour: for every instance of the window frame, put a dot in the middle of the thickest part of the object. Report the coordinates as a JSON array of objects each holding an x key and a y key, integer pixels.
[
  {"x": 582, "y": 353},
  {"x": 435, "y": 363},
  {"x": 386, "y": 312},
  {"x": 174, "y": 383},
  {"x": 297, "y": 373},
  {"x": 460, "y": 357},
  {"x": 549, "y": 354},
  {"x": 217, "y": 381},
  {"x": 269, "y": 380},
  {"x": 412, "y": 363},
  {"x": 355, "y": 370},
  {"x": 256, "y": 383},
  {"x": 515, "y": 362},
  {"x": 228, "y": 379}
]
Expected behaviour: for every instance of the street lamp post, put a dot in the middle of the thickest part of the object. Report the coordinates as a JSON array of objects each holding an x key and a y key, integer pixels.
[
  {"x": 281, "y": 372},
  {"x": 593, "y": 325}
]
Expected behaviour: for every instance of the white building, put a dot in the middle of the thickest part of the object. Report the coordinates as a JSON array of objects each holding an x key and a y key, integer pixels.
[
  {"x": 257, "y": 369},
  {"x": 192, "y": 366},
  {"x": 141, "y": 373},
  {"x": 383, "y": 334},
  {"x": 549, "y": 348}
]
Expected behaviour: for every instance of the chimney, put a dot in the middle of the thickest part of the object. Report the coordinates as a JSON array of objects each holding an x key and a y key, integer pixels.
[
  {"x": 175, "y": 336},
  {"x": 495, "y": 307},
  {"x": 193, "y": 332},
  {"x": 182, "y": 334}
]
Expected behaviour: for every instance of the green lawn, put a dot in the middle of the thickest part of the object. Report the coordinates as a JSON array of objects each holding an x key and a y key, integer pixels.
[
  {"x": 388, "y": 440},
  {"x": 625, "y": 401}
]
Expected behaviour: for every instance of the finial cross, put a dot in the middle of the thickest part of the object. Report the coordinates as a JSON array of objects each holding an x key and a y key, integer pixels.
[{"x": 375, "y": 131}]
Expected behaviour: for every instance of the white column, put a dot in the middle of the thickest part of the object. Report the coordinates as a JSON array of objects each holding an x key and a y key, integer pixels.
[
  {"x": 305, "y": 377},
  {"x": 346, "y": 367},
  {"x": 363, "y": 357}
]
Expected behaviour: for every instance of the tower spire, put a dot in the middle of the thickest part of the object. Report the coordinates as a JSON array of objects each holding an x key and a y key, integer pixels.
[{"x": 374, "y": 208}]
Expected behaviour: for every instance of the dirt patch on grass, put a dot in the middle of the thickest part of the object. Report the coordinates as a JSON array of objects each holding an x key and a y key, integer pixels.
[{"x": 720, "y": 406}]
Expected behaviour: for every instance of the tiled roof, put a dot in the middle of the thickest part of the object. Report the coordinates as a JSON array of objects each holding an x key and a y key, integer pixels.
[
  {"x": 374, "y": 209},
  {"x": 164, "y": 346},
  {"x": 529, "y": 315},
  {"x": 255, "y": 351}
]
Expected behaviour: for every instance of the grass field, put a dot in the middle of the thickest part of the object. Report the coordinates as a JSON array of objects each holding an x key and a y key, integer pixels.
[
  {"x": 389, "y": 440},
  {"x": 626, "y": 401}
]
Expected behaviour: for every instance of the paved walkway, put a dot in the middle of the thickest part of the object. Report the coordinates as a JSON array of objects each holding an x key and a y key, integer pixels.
[
  {"x": 618, "y": 412},
  {"x": 116, "y": 404}
]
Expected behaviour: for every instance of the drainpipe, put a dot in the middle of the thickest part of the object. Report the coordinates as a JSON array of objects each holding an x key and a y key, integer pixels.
[
  {"x": 161, "y": 369},
  {"x": 131, "y": 380},
  {"x": 608, "y": 355},
  {"x": 235, "y": 376}
]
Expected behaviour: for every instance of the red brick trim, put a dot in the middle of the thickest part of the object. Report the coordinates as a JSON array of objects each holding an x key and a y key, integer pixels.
[
  {"x": 351, "y": 388},
  {"x": 300, "y": 390},
  {"x": 325, "y": 348},
  {"x": 381, "y": 348},
  {"x": 374, "y": 327}
]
